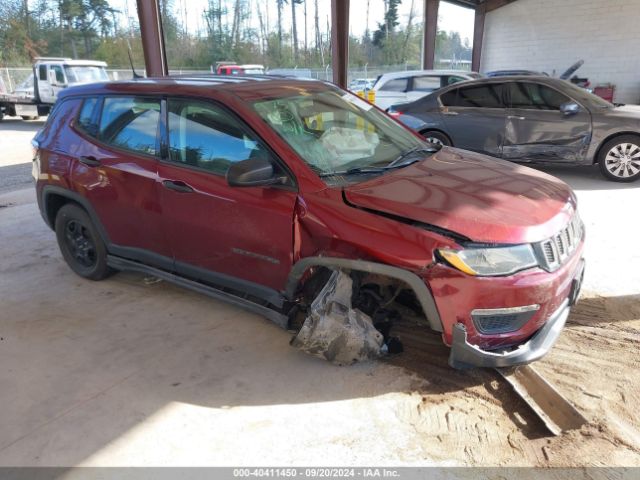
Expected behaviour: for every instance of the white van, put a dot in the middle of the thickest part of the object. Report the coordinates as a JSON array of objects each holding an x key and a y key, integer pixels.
[{"x": 403, "y": 87}]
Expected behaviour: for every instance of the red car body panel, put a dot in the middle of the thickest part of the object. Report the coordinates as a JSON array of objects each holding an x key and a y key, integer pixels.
[
  {"x": 497, "y": 202},
  {"x": 256, "y": 234}
]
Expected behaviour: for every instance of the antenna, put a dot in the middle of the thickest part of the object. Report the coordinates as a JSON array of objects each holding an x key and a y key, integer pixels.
[{"x": 135, "y": 74}]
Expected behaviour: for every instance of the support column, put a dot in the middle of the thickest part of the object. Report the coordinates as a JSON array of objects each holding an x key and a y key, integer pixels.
[
  {"x": 155, "y": 58},
  {"x": 340, "y": 41},
  {"x": 429, "y": 35},
  {"x": 478, "y": 34}
]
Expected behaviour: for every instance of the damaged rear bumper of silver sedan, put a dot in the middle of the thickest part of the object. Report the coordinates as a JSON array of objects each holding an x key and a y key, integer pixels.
[{"x": 465, "y": 355}]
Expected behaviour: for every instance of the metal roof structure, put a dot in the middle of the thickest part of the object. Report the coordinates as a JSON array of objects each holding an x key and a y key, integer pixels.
[{"x": 156, "y": 61}]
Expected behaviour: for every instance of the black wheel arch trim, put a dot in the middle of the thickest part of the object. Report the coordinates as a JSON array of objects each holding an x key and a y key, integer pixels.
[
  {"x": 49, "y": 190},
  {"x": 418, "y": 285}
]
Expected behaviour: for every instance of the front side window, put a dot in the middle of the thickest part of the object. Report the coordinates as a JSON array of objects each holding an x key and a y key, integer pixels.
[
  {"x": 205, "y": 136},
  {"x": 59, "y": 74},
  {"x": 335, "y": 132},
  {"x": 534, "y": 96},
  {"x": 131, "y": 123},
  {"x": 426, "y": 84},
  {"x": 395, "y": 85},
  {"x": 476, "y": 96}
]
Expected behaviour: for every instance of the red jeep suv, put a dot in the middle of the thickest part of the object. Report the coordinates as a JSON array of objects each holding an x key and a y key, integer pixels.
[{"x": 247, "y": 189}]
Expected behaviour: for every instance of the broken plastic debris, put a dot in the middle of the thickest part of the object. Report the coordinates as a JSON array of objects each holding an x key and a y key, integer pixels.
[{"x": 335, "y": 331}]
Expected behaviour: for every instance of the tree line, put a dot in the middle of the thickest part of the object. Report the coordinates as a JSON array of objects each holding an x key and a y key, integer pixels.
[{"x": 228, "y": 30}]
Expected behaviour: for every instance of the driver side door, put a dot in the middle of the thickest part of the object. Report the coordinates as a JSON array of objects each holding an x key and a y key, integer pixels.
[
  {"x": 239, "y": 237},
  {"x": 537, "y": 129}
]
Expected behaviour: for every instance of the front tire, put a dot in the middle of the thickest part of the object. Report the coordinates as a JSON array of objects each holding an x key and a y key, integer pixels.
[
  {"x": 437, "y": 138},
  {"x": 80, "y": 244},
  {"x": 619, "y": 159}
]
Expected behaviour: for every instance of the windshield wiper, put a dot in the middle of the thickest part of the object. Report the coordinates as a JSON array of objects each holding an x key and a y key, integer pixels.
[
  {"x": 354, "y": 171},
  {"x": 393, "y": 164},
  {"x": 397, "y": 161}
]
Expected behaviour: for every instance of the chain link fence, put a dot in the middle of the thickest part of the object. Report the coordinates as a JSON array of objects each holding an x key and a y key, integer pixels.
[{"x": 13, "y": 77}]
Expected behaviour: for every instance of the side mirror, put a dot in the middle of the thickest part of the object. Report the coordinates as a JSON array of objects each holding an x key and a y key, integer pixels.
[
  {"x": 569, "y": 108},
  {"x": 254, "y": 172}
]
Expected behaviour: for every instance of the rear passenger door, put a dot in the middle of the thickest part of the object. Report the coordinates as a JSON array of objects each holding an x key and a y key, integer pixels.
[
  {"x": 218, "y": 233},
  {"x": 117, "y": 171},
  {"x": 536, "y": 129},
  {"x": 475, "y": 117}
]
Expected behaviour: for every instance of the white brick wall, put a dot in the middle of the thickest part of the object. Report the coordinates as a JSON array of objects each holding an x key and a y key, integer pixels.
[{"x": 551, "y": 35}]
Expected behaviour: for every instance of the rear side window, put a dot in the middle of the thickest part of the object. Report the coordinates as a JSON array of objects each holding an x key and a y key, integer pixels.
[
  {"x": 131, "y": 123},
  {"x": 205, "y": 136},
  {"x": 42, "y": 72},
  {"x": 395, "y": 85},
  {"x": 534, "y": 96},
  {"x": 87, "y": 120},
  {"x": 477, "y": 96},
  {"x": 426, "y": 84}
]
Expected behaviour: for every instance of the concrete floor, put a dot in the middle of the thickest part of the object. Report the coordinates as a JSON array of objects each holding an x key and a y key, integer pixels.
[{"x": 132, "y": 372}]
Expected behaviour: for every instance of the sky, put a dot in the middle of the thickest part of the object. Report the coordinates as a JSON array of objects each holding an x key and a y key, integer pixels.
[{"x": 450, "y": 17}]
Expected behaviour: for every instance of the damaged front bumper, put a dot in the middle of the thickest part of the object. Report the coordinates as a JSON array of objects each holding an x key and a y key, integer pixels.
[{"x": 465, "y": 355}]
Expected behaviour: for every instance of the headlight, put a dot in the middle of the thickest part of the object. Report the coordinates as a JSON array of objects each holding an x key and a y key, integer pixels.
[{"x": 491, "y": 261}]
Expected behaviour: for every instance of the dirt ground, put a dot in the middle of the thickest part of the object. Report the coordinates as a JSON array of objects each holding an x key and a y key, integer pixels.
[{"x": 594, "y": 364}]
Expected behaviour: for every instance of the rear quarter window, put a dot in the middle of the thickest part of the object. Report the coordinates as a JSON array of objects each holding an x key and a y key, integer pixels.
[
  {"x": 87, "y": 121},
  {"x": 131, "y": 123}
]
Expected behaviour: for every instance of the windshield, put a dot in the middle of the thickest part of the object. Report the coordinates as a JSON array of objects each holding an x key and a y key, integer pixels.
[
  {"x": 85, "y": 73},
  {"x": 334, "y": 131}
]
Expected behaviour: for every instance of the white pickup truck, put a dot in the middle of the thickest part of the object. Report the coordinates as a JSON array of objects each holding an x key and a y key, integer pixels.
[{"x": 50, "y": 75}]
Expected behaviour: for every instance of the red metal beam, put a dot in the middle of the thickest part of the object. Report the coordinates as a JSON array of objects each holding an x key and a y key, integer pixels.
[
  {"x": 430, "y": 31},
  {"x": 155, "y": 58},
  {"x": 340, "y": 41},
  {"x": 478, "y": 34}
]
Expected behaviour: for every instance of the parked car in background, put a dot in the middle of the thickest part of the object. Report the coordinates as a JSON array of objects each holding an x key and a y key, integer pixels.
[
  {"x": 251, "y": 190},
  {"x": 533, "y": 120},
  {"x": 225, "y": 68},
  {"x": 400, "y": 87},
  {"x": 361, "y": 84}
]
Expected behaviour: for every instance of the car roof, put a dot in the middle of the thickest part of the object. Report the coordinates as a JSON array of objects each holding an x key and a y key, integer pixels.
[
  {"x": 243, "y": 86},
  {"x": 415, "y": 73}
]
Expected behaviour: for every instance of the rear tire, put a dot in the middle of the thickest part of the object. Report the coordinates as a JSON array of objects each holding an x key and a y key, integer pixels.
[
  {"x": 80, "y": 243},
  {"x": 619, "y": 159},
  {"x": 437, "y": 138}
]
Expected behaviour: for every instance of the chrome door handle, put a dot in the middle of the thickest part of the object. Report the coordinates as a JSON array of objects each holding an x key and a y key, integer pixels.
[{"x": 515, "y": 117}]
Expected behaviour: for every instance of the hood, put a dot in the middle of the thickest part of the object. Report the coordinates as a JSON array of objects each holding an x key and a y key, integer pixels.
[
  {"x": 632, "y": 110},
  {"x": 481, "y": 198}
]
